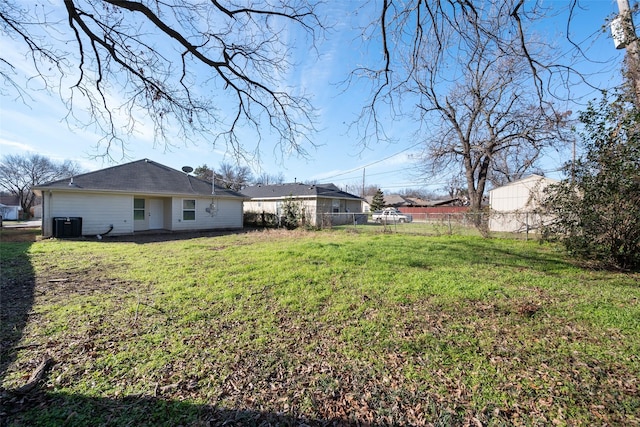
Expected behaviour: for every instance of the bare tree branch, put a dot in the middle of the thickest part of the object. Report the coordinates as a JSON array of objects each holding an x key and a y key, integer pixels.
[
  {"x": 19, "y": 174},
  {"x": 481, "y": 84},
  {"x": 194, "y": 70}
]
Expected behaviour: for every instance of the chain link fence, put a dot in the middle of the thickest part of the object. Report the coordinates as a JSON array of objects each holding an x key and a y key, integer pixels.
[{"x": 524, "y": 225}]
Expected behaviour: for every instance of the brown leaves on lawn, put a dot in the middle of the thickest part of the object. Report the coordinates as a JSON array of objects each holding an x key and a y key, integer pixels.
[{"x": 507, "y": 361}]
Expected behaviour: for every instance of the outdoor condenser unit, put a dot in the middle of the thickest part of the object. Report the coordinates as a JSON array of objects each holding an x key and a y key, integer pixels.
[{"x": 67, "y": 227}]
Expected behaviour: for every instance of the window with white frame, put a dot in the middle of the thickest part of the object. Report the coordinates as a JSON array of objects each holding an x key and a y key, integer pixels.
[
  {"x": 188, "y": 210},
  {"x": 138, "y": 209}
]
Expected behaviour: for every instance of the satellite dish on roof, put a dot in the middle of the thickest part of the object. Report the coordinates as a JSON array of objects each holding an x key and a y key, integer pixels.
[{"x": 187, "y": 169}]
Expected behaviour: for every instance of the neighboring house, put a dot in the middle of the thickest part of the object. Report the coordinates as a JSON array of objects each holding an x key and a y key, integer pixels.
[
  {"x": 392, "y": 200},
  {"x": 320, "y": 202},
  {"x": 9, "y": 212},
  {"x": 10, "y": 206},
  {"x": 414, "y": 204},
  {"x": 139, "y": 196},
  {"x": 515, "y": 207}
]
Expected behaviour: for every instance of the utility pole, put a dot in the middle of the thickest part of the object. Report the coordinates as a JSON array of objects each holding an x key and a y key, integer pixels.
[{"x": 624, "y": 36}]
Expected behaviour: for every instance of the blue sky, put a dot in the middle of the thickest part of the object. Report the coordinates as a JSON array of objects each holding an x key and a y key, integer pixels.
[{"x": 38, "y": 125}]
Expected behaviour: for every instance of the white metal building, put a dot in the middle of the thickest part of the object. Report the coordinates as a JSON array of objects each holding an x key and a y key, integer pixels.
[{"x": 515, "y": 206}]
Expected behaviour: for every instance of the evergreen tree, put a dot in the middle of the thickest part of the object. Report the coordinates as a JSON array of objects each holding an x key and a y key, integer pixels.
[
  {"x": 377, "y": 203},
  {"x": 291, "y": 214}
]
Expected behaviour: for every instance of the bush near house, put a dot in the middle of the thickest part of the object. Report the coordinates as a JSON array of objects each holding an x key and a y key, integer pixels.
[{"x": 260, "y": 219}]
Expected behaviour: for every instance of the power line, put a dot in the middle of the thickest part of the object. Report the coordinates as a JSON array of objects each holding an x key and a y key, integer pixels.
[
  {"x": 375, "y": 174},
  {"x": 359, "y": 168}
]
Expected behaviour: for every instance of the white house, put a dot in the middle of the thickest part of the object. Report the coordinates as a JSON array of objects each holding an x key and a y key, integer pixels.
[
  {"x": 10, "y": 208},
  {"x": 321, "y": 203},
  {"x": 9, "y": 212},
  {"x": 515, "y": 207},
  {"x": 137, "y": 196}
]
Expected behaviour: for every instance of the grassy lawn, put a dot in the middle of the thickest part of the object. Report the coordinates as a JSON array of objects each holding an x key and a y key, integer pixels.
[{"x": 323, "y": 328}]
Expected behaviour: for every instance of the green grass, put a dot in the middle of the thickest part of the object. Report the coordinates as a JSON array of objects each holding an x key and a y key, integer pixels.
[{"x": 332, "y": 325}]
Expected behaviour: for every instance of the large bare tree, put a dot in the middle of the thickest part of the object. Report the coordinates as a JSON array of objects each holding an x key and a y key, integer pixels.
[
  {"x": 489, "y": 120},
  {"x": 266, "y": 178},
  {"x": 188, "y": 68},
  {"x": 226, "y": 175},
  {"x": 487, "y": 90},
  {"x": 19, "y": 174},
  {"x": 233, "y": 177}
]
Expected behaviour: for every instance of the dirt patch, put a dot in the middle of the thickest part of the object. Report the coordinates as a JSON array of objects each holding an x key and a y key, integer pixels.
[
  {"x": 17, "y": 235},
  {"x": 256, "y": 234}
]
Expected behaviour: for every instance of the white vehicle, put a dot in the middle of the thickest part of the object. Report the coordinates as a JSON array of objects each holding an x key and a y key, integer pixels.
[{"x": 391, "y": 215}]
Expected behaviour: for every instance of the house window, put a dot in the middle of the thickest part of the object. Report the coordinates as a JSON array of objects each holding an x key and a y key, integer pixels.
[
  {"x": 138, "y": 209},
  {"x": 335, "y": 205},
  {"x": 188, "y": 210}
]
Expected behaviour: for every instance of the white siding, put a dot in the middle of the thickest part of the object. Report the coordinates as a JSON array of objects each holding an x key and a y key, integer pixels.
[
  {"x": 227, "y": 214},
  {"x": 275, "y": 207},
  {"x": 519, "y": 195},
  {"x": 514, "y": 206},
  {"x": 314, "y": 208},
  {"x": 260, "y": 206},
  {"x": 9, "y": 212},
  {"x": 98, "y": 211}
]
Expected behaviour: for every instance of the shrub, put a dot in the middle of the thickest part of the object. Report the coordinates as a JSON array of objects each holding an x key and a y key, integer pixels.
[
  {"x": 292, "y": 215},
  {"x": 597, "y": 210},
  {"x": 260, "y": 219}
]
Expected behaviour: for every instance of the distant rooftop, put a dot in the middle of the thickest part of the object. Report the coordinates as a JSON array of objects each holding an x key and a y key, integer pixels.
[
  {"x": 296, "y": 189},
  {"x": 397, "y": 201}
]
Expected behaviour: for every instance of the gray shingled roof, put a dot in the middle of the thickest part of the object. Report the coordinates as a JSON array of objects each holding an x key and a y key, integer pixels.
[
  {"x": 139, "y": 177},
  {"x": 9, "y": 199},
  {"x": 296, "y": 190}
]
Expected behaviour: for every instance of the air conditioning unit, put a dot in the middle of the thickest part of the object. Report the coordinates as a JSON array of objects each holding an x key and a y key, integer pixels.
[{"x": 67, "y": 227}]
